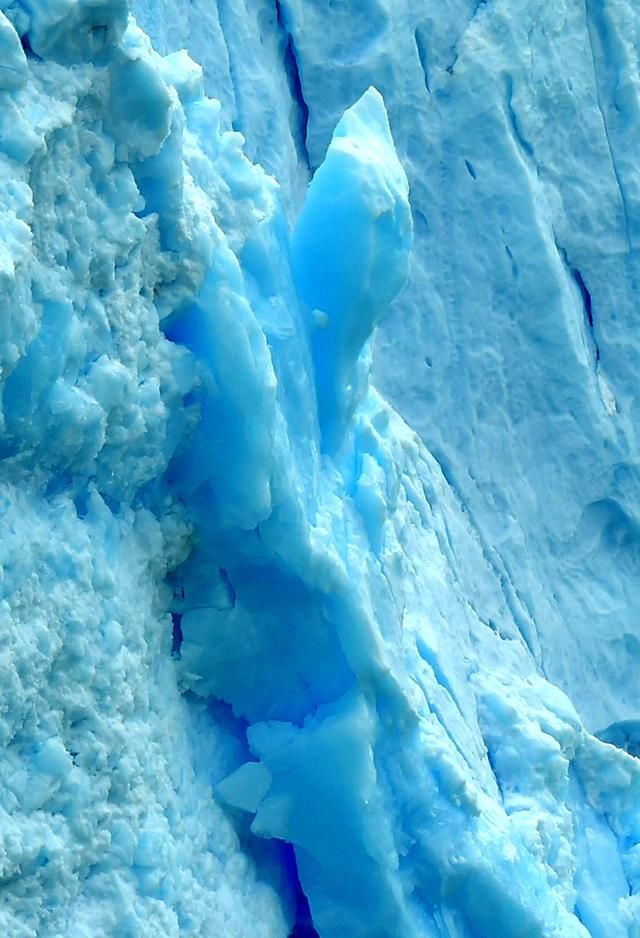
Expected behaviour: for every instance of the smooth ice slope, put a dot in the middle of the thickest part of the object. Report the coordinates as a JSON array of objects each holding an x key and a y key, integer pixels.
[{"x": 252, "y": 633}]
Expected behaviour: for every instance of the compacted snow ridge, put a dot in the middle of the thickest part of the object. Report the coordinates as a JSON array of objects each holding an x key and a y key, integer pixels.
[{"x": 319, "y": 475}]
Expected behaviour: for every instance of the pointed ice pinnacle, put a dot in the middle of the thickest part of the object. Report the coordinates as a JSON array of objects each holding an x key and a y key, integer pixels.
[{"x": 351, "y": 249}]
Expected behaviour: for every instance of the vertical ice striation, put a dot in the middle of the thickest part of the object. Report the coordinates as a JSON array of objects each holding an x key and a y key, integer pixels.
[{"x": 266, "y": 660}]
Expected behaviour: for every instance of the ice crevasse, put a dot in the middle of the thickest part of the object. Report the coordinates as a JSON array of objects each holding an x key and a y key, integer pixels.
[{"x": 275, "y": 661}]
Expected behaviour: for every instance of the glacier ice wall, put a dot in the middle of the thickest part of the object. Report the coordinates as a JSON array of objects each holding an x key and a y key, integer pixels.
[
  {"x": 516, "y": 124},
  {"x": 273, "y": 663}
]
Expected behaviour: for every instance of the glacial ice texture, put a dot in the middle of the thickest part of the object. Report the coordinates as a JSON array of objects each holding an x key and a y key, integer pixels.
[{"x": 274, "y": 661}]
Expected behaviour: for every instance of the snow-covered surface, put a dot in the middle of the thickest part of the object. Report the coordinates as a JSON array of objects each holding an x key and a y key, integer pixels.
[{"x": 247, "y": 612}]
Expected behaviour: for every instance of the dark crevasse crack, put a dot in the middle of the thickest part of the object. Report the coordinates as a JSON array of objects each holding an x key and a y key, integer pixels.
[
  {"x": 176, "y": 636},
  {"x": 274, "y": 859},
  {"x": 303, "y": 931},
  {"x": 625, "y": 734},
  {"x": 276, "y": 864},
  {"x": 477, "y": 7},
  {"x": 303, "y": 924},
  {"x": 585, "y": 295},
  {"x": 300, "y": 125},
  {"x": 514, "y": 121},
  {"x": 421, "y": 47},
  {"x": 587, "y": 306},
  {"x": 25, "y": 42},
  {"x": 573, "y": 272},
  {"x": 231, "y": 593},
  {"x": 491, "y": 759}
]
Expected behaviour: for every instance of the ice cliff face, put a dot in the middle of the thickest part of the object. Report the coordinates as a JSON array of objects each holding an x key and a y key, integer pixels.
[{"x": 274, "y": 663}]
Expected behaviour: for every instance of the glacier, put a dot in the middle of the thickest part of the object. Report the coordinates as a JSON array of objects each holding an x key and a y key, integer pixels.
[{"x": 320, "y": 525}]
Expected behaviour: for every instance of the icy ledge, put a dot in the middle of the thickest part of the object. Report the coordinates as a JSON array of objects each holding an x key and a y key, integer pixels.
[{"x": 242, "y": 610}]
